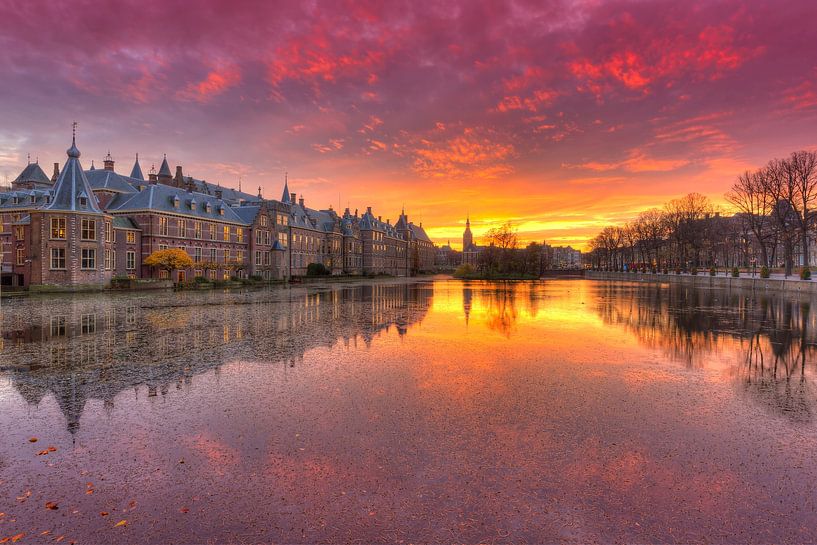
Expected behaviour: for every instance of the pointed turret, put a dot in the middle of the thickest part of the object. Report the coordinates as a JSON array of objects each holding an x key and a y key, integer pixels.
[
  {"x": 108, "y": 162},
  {"x": 164, "y": 172},
  {"x": 136, "y": 171},
  {"x": 467, "y": 237},
  {"x": 72, "y": 191},
  {"x": 285, "y": 197}
]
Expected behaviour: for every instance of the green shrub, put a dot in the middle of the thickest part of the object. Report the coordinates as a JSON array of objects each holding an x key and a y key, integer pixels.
[
  {"x": 200, "y": 280},
  {"x": 805, "y": 273},
  {"x": 317, "y": 269},
  {"x": 712, "y": 271},
  {"x": 764, "y": 272},
  {"x": 735, "y": 272},
  {"x": 464, "y": 270},
  {"x": 693, "y": 271}
]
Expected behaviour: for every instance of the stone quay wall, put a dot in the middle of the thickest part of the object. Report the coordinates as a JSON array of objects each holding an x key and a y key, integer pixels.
[{"x": 789, "y": 285}]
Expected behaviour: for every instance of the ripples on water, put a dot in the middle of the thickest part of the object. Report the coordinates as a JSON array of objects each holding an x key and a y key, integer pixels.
[{"x": 400, "y": 411}]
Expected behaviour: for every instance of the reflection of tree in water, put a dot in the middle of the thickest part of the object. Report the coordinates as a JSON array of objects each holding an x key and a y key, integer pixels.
[
  {"x": 79, "y": 348},
  {"x": 775, "y": 337},
  {"x": 496, "y": 300}
]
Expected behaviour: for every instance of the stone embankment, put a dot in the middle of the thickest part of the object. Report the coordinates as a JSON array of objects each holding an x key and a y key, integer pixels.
[{"x": 790, "y": 285}]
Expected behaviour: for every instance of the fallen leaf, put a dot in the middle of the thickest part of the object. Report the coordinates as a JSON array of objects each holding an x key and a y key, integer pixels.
[
  {"x": 52, "y": 505},
  {"x": 184, "y": 510},
  {"x": 89, "y": 492},
  {"x": 52, "y": 449},
  {"x": 59, "y": 538},
  {"x": 103, "y": 513},
  {"x": 32, "y": 440},
  {"x": 18, "y": 537},
  {"x": 121, "y": 523},
  {"x": 4, "y": 540}
]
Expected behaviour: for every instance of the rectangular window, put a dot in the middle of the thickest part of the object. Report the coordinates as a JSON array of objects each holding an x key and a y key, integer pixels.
[
  {"x": 213, "y": 257},
  {"x": 239, "y": 234},
  {"x": 108, "y": 259},
  {"x": 163, "y": 246},
  {"x": 88, "y": 258},
  {"x": 163, "y": 230},
  {"x": 21, "y": 256},
  {"x": 88, "y": 230},
  {"x": 164, "y": 275},
  {"x": 57, "y": 258},
  {"x": 263, "y": 221},
  {"x": 197, "y": 255},
  {"x": 239, "y": 256},
  {"x": 108, "y": 232},
  {"x": 197, "y": 229},
  {"x": 130, "y": 260},
  {"x": 282, "y": 239},
  {"x": 212, "y": 227},
  {"x": 58, "y": 326},
  {"x": 266, "y": 258},
  {"x": 182, "y": 228},
  {"x": 258, "y": 237},
  {"x": 19, "y": 232},
  {"x": 226, "y": 256},
  {"x": 258, "y": 259},
  {"x": 226, "y": 232},
  {"x": 131, "y": 237}
]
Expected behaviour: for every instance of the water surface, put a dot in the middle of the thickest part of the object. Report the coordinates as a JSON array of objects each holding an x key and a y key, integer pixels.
[{"x": 410, "y": 412}]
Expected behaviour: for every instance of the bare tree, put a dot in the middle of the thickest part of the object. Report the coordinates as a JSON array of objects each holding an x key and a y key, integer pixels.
[
  {"x": 780, "y": 184},
  {"x": 751, "y": 197},
  {"x": 803, "y": 167}
]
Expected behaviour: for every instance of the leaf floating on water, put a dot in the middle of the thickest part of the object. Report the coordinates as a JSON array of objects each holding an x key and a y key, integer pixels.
[
  {"x": 52, "y": 505},
  {"x": 103, "y": 513},
  {"x": 121, "y": 523},
  {"x": 18, "y": 537},
  {"x": 184, "y": 510},
  {"x": 32, "y": 440}
]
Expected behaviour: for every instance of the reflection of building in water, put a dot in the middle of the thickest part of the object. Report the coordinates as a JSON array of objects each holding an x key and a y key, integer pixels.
[
  {"x": 94, "y": 348},
  {"x": 775, "y": 339}
]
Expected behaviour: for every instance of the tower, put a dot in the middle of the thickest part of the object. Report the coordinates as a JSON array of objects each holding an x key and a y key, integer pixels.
[{"x": 467, "y": 237}]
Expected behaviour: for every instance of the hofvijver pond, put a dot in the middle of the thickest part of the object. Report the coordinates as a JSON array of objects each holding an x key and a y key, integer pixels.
[{"x": 430, "y": 411}]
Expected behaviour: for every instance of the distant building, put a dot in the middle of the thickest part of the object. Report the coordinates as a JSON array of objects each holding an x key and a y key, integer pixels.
[{"x": 470, "y": 251}]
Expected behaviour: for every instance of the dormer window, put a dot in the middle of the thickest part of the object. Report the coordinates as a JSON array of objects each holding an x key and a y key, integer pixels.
[
  {"x": 83, "y": 201},
  {"x": 176, "y": 201},
  {"x": 16, "y": 200},
  {"x": 207, "y": 207},
  {"x": 220, "y": 210},
  {"x": 33, "y": 199},
  {"x": 193, "y": 204}
]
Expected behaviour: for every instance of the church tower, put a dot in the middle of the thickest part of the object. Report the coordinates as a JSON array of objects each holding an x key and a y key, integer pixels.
[{"x": 467, "y": 237}]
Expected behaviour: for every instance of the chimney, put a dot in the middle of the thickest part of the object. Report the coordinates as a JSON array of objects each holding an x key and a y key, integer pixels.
[
  {"x": 108, "y": 161},
  {"x": 219, "y": 193},
  {"x": 380, "y": 218},
  {"x": 368, "y": 209},
  {"x": 152, "y": 178},
  {"x": 292, "y": 197},
  {"x": 56, "y": 172},
  {"x": 301, "y": 201},
  {"x": 388, "y": 221},
  {"x": 355, "y": 212},
  {"x": 179, "y": 178}
]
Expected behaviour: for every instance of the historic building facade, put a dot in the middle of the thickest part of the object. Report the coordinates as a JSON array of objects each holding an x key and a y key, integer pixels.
[{"x": 81, "y": 228}]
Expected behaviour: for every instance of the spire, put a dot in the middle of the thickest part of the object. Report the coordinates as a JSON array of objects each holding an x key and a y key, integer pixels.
[
  {"x": 136, "y": 172},
  {"x": 72, "y": 191},
  {"x": 92, "y": 165},
  {"x": 164, "y": 169},
  {"x": 259, "y": 191},
  {"x": 285, "y": 197}
]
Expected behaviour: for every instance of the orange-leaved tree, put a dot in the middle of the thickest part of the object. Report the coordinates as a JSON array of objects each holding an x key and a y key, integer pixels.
[{"x": 170, "y": 259}]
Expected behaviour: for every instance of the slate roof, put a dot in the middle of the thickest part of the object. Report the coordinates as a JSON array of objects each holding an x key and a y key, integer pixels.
[
  {"x": 33, "y": 173},
  {"x": 419, "y": 233},
  {"x": 228, "y": 194},
  {"x": 164, "y": 170},
  {"x": 247, "y": 213},
  {"x": 108, "y": 180},
  {"x": 24, "y": 198},
  {"x": 72, "y": 186},
  {"x": 124, "y": 222},
  {"x": 136, "y": 171},
  {"x": 160, "y": 198},
  {"x": 285, "y": 198}
]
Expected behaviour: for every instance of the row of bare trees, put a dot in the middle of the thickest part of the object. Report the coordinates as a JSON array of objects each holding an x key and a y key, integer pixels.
[{"x": 775, "y": 217}]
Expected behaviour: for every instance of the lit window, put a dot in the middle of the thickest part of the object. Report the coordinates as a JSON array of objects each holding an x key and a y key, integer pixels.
[
  {"x": 163, "y": 230},
  {"x": 21, "y": 256},
  {"x": 226, "y": 232},
  {"x": 131, "y": 237},
  {"x": 182, "y": 228}
]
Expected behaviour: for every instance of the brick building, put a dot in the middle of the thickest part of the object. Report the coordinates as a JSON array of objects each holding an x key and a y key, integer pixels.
[{"x": 81, "y": 228}]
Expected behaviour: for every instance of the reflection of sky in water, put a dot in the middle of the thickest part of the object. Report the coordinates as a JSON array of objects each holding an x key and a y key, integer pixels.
[{"x": 565, "y": 410}]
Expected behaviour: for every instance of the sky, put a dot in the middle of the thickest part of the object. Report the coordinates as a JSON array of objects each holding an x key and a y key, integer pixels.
[{"x": 561, "y": 116}]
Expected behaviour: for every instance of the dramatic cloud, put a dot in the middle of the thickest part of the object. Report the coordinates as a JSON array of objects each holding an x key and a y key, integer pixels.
[{"x": 560, "y": 115}]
